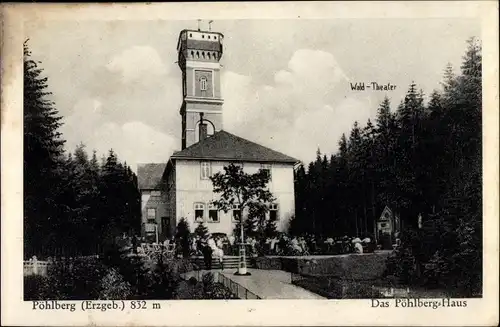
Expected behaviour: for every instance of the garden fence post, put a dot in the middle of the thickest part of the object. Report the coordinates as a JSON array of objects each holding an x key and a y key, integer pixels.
[{"x": 35, "y": 266}]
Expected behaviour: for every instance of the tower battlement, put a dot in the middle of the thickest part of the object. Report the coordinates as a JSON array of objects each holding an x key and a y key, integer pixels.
[{"x": 200, "y": 45}]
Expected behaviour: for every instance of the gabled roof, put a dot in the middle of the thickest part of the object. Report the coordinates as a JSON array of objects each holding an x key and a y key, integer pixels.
[
  {"x": 149, "y": 175},
  {"x": 386, "y": 214},
  {"x": 225, "y": 146}
]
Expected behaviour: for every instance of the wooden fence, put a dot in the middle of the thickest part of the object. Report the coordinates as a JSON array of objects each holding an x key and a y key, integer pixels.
[
  {"x": 36, "y": 267},
  {"x": 41, "y": 267}
]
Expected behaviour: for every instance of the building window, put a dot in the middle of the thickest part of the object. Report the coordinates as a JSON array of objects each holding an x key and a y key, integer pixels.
[
  {"x": 213, "y": 214},
  {"x": 268, "y": 168},
  {"x": 206, "y": 170},
  {"x": 199, "y": 210},
  {"x": 273, "y": 211},
  {"x": 203, "y": 83},
  {"x": 151, "y": 215},
  {"x": 155, "y": 193},
  {"x": 236, "y": 212}
]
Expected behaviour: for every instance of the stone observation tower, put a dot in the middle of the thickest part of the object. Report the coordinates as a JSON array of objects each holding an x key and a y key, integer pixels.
[{"x": 199, "y": 54}]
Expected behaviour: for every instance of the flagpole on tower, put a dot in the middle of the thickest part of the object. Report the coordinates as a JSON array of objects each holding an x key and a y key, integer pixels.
[
  {"x": 210, "y": 25},
  {"x": 199, "y": 21}
]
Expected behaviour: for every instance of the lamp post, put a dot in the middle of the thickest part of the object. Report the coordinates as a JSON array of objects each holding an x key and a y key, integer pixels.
[{"x": 242, "y": 264}]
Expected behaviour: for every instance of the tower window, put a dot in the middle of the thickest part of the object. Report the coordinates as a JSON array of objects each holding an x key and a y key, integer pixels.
[
  {"x": 215, "y": 37},
  {"x": 190, "y": 34},
  {"x": 209, "y": 37},
  {"x": 208, "y": 55},
  {"x": 203, "y": 83}
]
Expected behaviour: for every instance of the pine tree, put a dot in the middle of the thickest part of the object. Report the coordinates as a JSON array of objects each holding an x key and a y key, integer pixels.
[
  {"x": 43, "y": 157},
  {"x": 201, "y": 231}
]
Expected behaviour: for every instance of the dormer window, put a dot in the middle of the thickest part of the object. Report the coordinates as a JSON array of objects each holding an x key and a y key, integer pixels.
[{"x": 203, "y": 83}]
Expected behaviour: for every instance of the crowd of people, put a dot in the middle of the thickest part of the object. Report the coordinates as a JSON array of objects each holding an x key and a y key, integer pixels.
[{"x": 218, "y": 245}]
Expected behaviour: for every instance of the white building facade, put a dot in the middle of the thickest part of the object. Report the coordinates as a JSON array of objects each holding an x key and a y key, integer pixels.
[{"x": 181, "y": 188}]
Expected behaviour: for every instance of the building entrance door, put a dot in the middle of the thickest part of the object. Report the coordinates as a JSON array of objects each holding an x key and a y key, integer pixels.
[{"x": 165, "y": 227}]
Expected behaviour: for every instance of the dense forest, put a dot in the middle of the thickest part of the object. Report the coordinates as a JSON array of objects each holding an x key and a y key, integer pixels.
[
  {"x": 419, "y": 159},
  {"x": 74, "y": 204}
]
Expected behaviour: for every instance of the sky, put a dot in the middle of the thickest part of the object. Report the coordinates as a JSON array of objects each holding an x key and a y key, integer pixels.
[{"x": 285, "y": 83}]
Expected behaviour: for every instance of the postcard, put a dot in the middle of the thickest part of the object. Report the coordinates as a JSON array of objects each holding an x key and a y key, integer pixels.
[{"x": 250, "y": 164}]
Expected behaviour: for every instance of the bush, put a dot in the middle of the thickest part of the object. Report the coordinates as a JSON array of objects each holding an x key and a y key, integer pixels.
[
  {"x": 220, "y": 292},
  {"x": 189, "y": 290},
  {"x": 36, "y": 287},
  {"x": 208, "y": 283},
  {"x": 76, "y": 279},
  {"x": 114, "y": 287}
]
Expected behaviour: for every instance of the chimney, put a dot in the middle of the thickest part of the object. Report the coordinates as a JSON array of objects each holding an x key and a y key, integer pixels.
[{"x": 202, "y": 128}]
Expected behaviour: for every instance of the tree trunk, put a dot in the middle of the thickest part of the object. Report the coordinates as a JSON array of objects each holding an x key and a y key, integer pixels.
[
  {"x": 356, "y": 220},
  {"x": 373, "y": 210}
]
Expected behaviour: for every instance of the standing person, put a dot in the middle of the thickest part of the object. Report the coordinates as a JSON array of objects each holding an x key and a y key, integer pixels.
[
  {"x": 231, "y": 244},
  {"x": 207, "y": 255},
  {"x": 219, "y": 254},
  {"x": 358, "y": 247},
  {"x": 194, "y": 247},
  {"x": 199, "y": 245},
  {"x": 282, "y": 243},
  {"x": 219, "y": 243},
  {"x": 303, "y": 245},
  {"x": 274, "y": 240}
]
